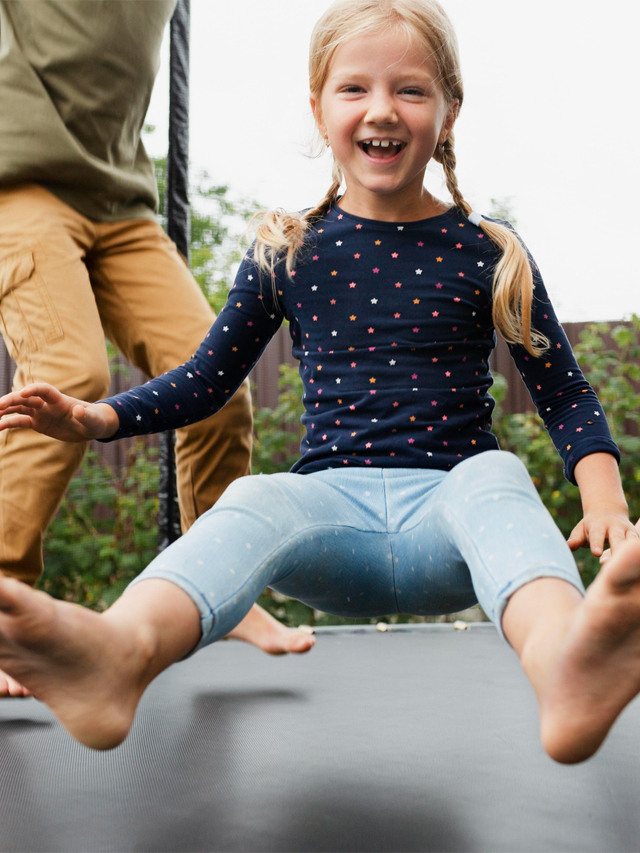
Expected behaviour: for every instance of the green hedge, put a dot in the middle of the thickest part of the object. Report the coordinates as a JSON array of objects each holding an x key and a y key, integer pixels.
[{"x": 610, "y": 358}]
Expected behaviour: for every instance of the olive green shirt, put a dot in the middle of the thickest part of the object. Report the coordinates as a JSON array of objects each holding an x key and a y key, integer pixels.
[{"x": 75, "y": 82}]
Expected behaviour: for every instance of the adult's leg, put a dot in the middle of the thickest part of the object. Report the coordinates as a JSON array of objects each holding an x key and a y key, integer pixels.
[
  {"x": 51, "y": 328},
  {"x": 92, "y": 669},
  {"x": 155, "y": 313}
]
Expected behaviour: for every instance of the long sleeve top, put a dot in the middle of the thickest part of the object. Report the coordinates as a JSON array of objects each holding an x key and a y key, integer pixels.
[{"x": 392, "y": 326}]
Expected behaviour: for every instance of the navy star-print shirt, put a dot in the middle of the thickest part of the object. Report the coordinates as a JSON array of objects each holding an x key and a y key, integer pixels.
[{"x": 392, "y": 326}]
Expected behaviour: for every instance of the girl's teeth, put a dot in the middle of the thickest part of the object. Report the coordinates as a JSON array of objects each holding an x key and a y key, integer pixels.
[
  {"x": 380, "y": 143},
  {"x": 367, "y": 144}
]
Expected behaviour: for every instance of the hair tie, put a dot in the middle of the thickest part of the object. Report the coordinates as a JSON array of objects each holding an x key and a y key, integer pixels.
[{"x": 475, "y": 218}]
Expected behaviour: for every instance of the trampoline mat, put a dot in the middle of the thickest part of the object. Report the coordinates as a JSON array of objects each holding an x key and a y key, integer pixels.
[{"x": 423, "y": 739}]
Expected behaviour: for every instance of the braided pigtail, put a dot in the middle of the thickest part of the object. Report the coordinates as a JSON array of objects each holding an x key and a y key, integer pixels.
[
  {"x": 446, "y": 155},
  {"x": 512, "y": 280},
  {"x": 279, "y": 235},
  {"x": 330, "y": 198}
]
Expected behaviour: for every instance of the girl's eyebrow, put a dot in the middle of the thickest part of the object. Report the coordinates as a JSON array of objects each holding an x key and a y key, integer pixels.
[
  {"x": 421, "y": 75},
  {"x": 416, "y": 73}
]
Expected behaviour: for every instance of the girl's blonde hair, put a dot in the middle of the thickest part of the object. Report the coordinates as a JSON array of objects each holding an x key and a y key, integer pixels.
[{"x": 280, "y": 235}]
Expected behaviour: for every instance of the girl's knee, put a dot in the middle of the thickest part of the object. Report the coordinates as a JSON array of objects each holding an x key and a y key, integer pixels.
[
  {"x": 269, "y": 491},
  {"x": 490, "y": 477},
  {"x": 493, "y": 465}
]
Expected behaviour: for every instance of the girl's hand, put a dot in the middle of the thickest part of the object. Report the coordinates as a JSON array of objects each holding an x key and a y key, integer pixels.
[
  {"x": 605, "y": 510},
  {"x": 607, "y": 553},
  {"x": 601, "y": 526},
  {"x": 43, "y": 408}
]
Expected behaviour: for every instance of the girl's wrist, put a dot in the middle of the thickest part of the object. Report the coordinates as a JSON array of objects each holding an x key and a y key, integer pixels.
[
  {"x": 108, "y": 417},
  {"x": 599, "y": 482}
]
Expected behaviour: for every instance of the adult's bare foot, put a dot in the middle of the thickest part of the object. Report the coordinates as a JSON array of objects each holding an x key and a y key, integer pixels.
[
  {"x": 263, "y": 631},
  {"x": 598, "y": 662},
  {"x": 89, "y": 673},
  {"x": 12, "y": 689}
]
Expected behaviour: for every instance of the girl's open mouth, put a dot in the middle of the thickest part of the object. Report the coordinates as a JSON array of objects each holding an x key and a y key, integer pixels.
[{"x": 381, "y": 149}]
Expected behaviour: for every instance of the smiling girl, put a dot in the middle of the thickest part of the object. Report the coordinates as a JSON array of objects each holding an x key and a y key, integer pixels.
[{"x": 401, "y": 501}]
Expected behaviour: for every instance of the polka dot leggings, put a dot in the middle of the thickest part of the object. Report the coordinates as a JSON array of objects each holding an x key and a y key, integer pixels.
[{"x": 370, "y": 542}]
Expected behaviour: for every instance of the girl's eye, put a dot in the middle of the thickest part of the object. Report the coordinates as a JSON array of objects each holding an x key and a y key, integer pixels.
[
  {"x": 412, "y": 90},
  {"x": 352, "y": 89}
]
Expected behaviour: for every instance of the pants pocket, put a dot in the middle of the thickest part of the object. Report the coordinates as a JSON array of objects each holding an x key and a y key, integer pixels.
[{"x": 29, "y": 318}]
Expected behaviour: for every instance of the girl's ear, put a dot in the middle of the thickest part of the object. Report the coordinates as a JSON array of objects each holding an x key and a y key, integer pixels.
[{"x": 317, "y": 114}]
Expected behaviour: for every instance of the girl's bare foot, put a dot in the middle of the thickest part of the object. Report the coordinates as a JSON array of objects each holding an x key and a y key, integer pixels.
[
  {"x": 11, "y": 689},
  {"x": 597, "y": 667},
  {"x": 263, "y": 631},
  {"x": 87, "y": 670}
]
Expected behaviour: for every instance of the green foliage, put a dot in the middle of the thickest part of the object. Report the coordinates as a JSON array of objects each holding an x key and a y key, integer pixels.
[
  {"x": 502, "y": 208},
  {"x": 218, "y": 223},
  {"x": 105, "y": 532},
  {"x": 610, "y": 358}
]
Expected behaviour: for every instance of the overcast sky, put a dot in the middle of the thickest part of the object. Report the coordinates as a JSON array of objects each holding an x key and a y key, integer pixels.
[{"x": 549, "y": 120}]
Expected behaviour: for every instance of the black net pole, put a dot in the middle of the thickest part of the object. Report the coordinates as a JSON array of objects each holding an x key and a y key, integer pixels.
[{"x": 178, "y": 229}]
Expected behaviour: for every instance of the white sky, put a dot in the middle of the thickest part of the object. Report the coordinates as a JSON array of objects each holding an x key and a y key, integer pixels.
[{"x": 550, "y": 119}]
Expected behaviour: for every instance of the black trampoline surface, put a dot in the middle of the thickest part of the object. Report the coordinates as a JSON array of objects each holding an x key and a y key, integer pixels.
[{"x": 420, "y": 740}]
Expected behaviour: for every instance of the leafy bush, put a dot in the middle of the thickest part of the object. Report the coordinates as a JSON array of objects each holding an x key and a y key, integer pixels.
[
  {"x": 218, "y": 224},
  {"x": 105, "y": 532},
  {"x": 610, "y": 358}
]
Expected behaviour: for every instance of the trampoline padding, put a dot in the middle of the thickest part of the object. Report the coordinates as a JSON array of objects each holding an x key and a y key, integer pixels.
[{"x": 422, "y": 740}]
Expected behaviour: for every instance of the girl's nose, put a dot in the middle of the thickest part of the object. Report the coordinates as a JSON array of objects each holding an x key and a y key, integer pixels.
[{"x": 381, "y": 110}]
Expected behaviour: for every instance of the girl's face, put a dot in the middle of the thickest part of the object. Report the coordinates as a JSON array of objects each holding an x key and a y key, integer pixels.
[{"x": 383, "y": 113}]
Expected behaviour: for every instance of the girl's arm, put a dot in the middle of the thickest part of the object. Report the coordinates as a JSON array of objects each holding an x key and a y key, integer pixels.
[
  {"x": 605, "y": 510},
  {"x": 565, "y": 401},
  {"x": 188, "y": 393},
  {"x": 43, "y": 408},
  {"x": 577, "y": 425},
  {"x": 203, "y": 385}
]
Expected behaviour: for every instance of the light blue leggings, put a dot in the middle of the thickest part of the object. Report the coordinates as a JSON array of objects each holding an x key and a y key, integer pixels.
[{"x": 369, "y": 542}]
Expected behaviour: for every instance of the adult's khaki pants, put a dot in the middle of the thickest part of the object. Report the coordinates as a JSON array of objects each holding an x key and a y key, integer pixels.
[{"x": 65, "y": 283}]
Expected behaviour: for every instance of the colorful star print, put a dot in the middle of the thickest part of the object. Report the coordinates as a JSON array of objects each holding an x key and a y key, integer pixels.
[{"x": 384, "y": 319}]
